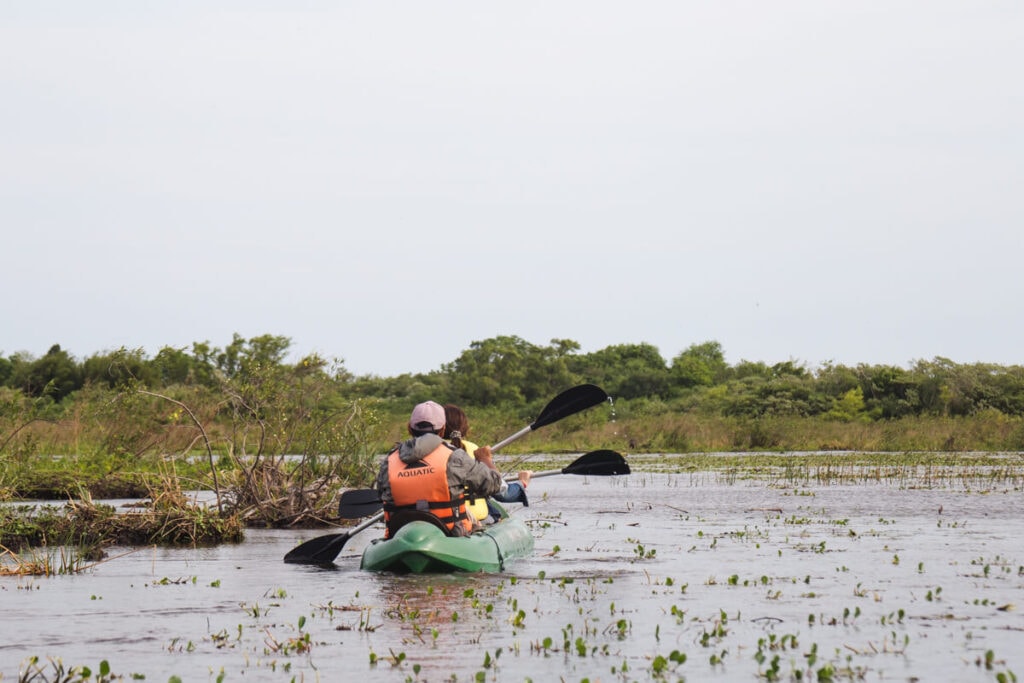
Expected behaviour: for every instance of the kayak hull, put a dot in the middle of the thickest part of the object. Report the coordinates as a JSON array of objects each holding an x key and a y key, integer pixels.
[{"x": 421, "y": 547}]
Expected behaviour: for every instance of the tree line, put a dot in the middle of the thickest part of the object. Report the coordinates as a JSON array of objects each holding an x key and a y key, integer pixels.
[{"x": 510, "y": 372}]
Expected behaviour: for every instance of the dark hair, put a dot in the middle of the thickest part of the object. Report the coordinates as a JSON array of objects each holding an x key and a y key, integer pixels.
[
  {"x": 456, "y": 424},
  {"x": 422, "y": 428}
]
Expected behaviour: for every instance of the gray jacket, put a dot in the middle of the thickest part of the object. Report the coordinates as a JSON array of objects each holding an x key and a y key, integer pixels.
[{"x": 465, "y": 473}]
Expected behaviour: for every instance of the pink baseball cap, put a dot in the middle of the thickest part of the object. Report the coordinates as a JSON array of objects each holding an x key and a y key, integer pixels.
[{"x": 427, "y": 415}]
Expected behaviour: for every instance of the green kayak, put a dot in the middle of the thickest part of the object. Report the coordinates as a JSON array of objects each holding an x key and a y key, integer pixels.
[{"x": 422, "y": 547}]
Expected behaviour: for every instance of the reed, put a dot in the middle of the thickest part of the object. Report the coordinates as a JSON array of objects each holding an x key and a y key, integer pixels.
[{"x": 42, "y": 562}]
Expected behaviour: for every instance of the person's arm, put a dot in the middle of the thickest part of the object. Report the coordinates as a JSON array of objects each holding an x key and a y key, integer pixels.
[
  {"x": 382, "y": 484},
  {"x": 480, "y": 478},
  {"x": 483, "y": 454}
]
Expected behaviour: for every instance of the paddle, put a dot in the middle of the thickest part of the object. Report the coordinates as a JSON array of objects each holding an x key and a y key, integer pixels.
[
  {"x": 358, "y": 503},
  {"x": 569, "y": 402},
  {"x": 323, "y": 549},
  {"x": 595, "y": 464}
]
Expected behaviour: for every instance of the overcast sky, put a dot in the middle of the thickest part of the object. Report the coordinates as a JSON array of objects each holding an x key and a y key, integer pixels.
[{"x": 387, "y": 182}]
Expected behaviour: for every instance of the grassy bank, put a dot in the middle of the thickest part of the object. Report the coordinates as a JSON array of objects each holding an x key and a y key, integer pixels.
[
  {"x": 265, "y": 470},
  {"x": 633, "y": 430},
  {"x": 221, "y": 462}
]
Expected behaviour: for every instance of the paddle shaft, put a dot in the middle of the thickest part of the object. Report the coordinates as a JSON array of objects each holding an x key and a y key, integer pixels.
[
  {"x": 536, "y": 475},
  {"x": 364, "y": 525},
  {"x": 569, "y": 402},
  {"x": 504, "y": 442},
  {"x": 602, "y": 463},
  {"x": 545, "y": 473}
]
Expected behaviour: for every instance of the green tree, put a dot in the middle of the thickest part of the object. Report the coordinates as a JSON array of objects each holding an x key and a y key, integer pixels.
[
  {"x": 491, "y": 371},
  {"x": 173, "y": 366},
  {"x": 700, "y": 365},
  {"x": 204, "y": 363},
  {"x": 934, "y": 381},
  {"x": 850, "y": 406},
  {"x": 244, "y": 355},
  {"x": 837, "y": 380},
  {"x": 626, "y": 371},
  {"x": 55, "y": 375},
  {"x": 118, "y": 369},
  {"x": 789, "y": 368},
  {"x": 1008, "y": 385},
  {"x": 6, "y": 370},
  {"x": 889, "y": 391},
  {"x": 980, "y": 386},
  {"x": 746, "y": 368},
  {"x": 509, "y": 370}
]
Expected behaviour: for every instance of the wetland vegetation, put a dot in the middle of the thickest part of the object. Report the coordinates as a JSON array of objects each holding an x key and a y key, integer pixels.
[
  {"x": 271, "y": 441},
  {"x": 117, "y": 413}
]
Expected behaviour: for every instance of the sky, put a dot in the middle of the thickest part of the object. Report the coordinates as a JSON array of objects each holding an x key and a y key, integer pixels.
[{"x": 388, "y": 182}]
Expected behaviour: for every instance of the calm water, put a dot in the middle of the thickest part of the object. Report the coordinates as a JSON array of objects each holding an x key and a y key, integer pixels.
[{"x": 883, "y": 580}]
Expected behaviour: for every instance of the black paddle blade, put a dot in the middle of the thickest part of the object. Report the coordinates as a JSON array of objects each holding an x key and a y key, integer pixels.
[
  {"x": 598, "y": 464},
  {"x": 359, "y": 503},
  {"x": 570, "y": 402},
  {"x": 319, "y": 550},
  {"x": 323, "y": 549}
]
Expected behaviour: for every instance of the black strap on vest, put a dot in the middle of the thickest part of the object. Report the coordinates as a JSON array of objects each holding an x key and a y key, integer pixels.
[{"x": 423, "y": 506}]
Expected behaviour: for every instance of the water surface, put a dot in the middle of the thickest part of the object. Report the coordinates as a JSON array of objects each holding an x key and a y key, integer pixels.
[{"x": 878, "y": 579}]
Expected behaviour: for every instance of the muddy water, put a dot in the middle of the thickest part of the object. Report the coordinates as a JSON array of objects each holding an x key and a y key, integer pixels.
[{"x": 645, "y": 577}]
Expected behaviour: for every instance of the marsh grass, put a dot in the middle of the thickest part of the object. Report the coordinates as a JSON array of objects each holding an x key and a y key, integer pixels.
[
  {"x": 273, "y": 454},
  {"x": 57, "y": 477},
  {"x": 53, "y": 670},
  {"x": 692, "y": 432},
  {"x": 52, "y": 561},
  {"x": 46, "y": 562},
  {"x": 974, "y": 471},
  {"x": 91, "y": 527},
  {"x": 32, "y": 564}
]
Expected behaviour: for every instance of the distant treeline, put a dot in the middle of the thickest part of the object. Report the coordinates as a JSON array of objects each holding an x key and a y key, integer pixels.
[{"x": 509, "y": 372}]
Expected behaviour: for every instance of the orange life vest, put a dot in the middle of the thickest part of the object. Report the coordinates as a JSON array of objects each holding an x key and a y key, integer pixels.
[{"x": 423, "y": 485}]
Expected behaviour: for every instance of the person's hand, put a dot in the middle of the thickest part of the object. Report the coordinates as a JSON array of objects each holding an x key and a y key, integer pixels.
[
  {"x": 483, "y": 454},
  {"x": 524, "y": 477}
]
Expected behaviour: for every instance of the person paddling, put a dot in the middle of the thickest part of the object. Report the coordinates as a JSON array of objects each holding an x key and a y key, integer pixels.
[
  {"x": 456, "y": 430},
  {"x": 424, "y": 477}
]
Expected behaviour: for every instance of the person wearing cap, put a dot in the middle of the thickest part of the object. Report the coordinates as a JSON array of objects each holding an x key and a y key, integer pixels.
[{"x": 424, "y": 477}]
